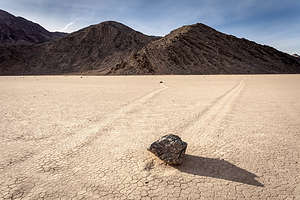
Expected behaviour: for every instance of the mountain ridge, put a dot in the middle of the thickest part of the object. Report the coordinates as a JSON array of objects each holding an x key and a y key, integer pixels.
[
  {"x": 112, "y": 48},
  {"x": 199, "y": 49},
  {"x": 20, "y": 31},
  {"x": 93, "y": 48}
]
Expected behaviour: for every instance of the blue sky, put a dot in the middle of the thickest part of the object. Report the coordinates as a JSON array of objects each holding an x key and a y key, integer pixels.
[{"x": 271, "y": 22}]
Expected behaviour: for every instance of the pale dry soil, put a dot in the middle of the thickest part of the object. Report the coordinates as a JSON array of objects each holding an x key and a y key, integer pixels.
[{"x": 66, "y": 137}]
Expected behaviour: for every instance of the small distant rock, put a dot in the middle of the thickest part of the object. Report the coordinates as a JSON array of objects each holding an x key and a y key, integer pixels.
[
  {"x": 169, "y": 148},
  {"x": 161, "y": 82}
]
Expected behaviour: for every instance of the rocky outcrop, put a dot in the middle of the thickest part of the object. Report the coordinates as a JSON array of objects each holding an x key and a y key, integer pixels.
[{"x": 169, "y": 148}]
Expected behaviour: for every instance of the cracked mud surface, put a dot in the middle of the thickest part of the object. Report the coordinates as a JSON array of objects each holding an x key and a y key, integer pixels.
[{"x": 66, "y": 137}]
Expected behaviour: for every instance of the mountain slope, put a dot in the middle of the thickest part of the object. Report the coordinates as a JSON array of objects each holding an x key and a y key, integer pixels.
[
  {"x": 199, "y": 49},
  {"x": 17, "y": 30},
  {"x": 113, "y": 48},
  {"x": 93, "y": 49}
]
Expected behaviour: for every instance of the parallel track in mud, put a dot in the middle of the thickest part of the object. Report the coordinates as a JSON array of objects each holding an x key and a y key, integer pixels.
[
  {"x": 83, "y": 137},
  {"x": 233, "y": 152}
]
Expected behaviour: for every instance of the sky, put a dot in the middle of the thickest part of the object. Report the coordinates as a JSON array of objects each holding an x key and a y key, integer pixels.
[{"x": 271, "y": 22}]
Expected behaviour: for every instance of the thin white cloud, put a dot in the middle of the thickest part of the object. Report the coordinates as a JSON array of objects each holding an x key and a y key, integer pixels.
[{"x": 67, "y": 26}]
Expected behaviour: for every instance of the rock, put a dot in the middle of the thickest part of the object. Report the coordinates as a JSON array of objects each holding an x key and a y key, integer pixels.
[{"x": 169, "y": 148}]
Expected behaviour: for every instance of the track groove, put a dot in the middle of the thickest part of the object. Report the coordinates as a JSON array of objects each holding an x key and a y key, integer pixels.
[
  {"x": 201, "y": 116},
  {"x": 208, "y": 120},
  {"x": 243, "y": 139},
  {"x": 86, "y": 136}
]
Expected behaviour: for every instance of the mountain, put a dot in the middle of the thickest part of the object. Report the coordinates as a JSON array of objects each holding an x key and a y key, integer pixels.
[
  {"x": 111, "y": 48},
  {"x": 17, "y": 30},
  {"x": 199, "y": 49},
  {"x": 93, "y": 49}
]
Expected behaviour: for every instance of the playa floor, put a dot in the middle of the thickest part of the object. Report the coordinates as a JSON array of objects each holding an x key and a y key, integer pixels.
[{"x": 67, "y": 137}]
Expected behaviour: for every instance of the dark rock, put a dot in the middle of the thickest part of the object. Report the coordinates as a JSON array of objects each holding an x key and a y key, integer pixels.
[{"x": 169, "y": 148}]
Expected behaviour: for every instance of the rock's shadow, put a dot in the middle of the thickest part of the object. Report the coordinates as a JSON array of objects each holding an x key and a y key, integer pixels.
[{"x": 217, "y": 168}]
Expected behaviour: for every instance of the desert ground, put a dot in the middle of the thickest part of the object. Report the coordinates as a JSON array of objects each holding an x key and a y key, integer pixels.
[{"x": 72, "y": 137}]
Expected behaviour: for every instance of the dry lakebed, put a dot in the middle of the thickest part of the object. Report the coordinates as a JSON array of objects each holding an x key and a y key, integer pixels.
[{"x": 72, "y": 137}]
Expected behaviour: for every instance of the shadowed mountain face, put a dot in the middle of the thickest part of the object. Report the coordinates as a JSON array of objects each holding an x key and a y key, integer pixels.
[
  {"x": 199, "y": 49},
  {"x": 17, "y": 30},
  {"x": 93, "y": 49},
  {"x": 113, "y": 48}
]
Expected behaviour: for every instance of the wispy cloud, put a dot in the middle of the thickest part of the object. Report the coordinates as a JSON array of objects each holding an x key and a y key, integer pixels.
[{"x": 67, "y": 26}]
